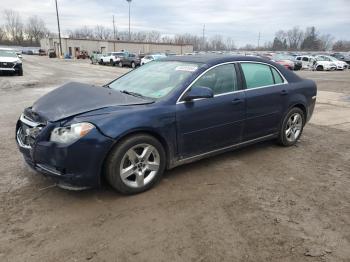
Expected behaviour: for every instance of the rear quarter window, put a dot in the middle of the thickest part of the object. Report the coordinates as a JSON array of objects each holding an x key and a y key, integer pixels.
[
  {"x": 257, "y": 75},
  {"x": 277, "y": 76}
]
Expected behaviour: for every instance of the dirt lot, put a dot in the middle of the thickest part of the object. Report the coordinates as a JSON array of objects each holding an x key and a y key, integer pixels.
[{"x": 261, "y": 203}]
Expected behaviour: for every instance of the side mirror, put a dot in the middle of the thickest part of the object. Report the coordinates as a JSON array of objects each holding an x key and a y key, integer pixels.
[{"x": 199, "y": 92}]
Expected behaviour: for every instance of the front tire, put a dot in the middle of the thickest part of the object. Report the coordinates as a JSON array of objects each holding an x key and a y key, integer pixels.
[
  {"x": 292, "y": 127},
  {"x": 120, "y": 64},
  {"x": 135, "y": 164},
  {"x": 20, "y": 72},
  {"x": 133, "y": 65}
]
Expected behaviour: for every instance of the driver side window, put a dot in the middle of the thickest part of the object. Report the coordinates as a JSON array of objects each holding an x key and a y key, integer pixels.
[{"x": 221, "y": 79}]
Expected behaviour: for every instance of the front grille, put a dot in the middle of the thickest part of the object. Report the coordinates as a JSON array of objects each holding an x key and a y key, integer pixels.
[
  {"x": 6, "y": 65},
  {"x": 27, "y": 132}
]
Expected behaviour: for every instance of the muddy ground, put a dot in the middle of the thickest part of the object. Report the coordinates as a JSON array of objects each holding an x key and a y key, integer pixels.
[{"x": 260, "y": 203}]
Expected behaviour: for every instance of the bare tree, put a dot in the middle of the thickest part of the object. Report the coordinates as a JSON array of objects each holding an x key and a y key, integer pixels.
[
  {"x": 294, "y": 37},
  {"x": 35, "y": 29},
  {"x": 326, "y": 42},
  {"x": 102, "y": 32},
  {"x": 230, "y": 44},
  {"x": 153, "y": 36},
  {"x": 341, "y": 46},
  {"x": 82, "y": 32},
  {"x": 2, "y": 33},
  {"x": 13, "y": 26}
]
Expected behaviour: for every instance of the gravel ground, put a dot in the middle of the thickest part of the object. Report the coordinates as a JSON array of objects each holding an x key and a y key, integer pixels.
[{"x": 260, "y": 203}]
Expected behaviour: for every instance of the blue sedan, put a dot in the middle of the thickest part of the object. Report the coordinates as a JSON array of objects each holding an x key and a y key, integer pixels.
[{"x": 164, "y": 114}]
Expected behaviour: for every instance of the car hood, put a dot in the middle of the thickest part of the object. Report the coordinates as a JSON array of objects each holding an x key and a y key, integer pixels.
[
  {"x": 76, "y": 98},
  {"x": 9, "y": 59}
]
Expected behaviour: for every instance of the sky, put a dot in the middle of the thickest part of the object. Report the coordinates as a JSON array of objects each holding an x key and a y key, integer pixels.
[{"x": 240, "y": 20}]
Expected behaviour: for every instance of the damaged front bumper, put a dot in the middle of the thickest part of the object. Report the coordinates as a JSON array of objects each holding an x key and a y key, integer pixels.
[{"x": 78, "y": 165}]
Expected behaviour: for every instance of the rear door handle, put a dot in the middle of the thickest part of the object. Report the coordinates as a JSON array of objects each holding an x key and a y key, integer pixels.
[
  {"x": 284, "y": 92},
  {"x": 237, "y": 101}
]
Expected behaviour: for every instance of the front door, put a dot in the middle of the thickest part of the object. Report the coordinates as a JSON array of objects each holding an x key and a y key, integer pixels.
[{"x": 204, "y": 125}]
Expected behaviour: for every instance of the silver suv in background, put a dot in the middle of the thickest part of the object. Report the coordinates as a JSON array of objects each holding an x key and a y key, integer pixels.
[{"x": 10, "y": 62}]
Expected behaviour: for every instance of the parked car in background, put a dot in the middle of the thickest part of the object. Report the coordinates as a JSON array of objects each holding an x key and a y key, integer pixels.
[
  {"x": 341, "y": 65},
  {"x": 285, "y": 60},
  {"x": 42, "y": 52},
  {"x": 318, "y": 64},
  {"x": 95, "y": 57},
  {"x": 83, "y": 55},
  {"x": 112, "y": 58},
  {"x": 10, "y": 62},
  {"x": 52, "y": 53},
  {"x": 129, "y": 59},
  {"x": 19, "y": 54},
  {"x": 149, "y": 58},
  {"x": 164, "y": 114},
  {"x": 342, "y": 57}
]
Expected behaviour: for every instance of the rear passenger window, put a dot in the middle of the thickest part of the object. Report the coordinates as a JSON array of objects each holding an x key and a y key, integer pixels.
[
  {"x": 257, "y": 75},
  {"x": 277, "y": 76},
  {"x": 305, "y": 59},
  {"x": 221, "y": 79}
]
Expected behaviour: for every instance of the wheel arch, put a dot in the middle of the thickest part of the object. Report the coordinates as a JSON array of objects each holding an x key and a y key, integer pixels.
[
  {"x": 300, "y": 106},
  {"x": 153, "y": 133}
]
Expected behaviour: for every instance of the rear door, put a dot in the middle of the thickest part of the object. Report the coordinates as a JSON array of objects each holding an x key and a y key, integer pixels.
[
  {"x": 204, "y": 125},
  {"x": 266, "y": 93}
]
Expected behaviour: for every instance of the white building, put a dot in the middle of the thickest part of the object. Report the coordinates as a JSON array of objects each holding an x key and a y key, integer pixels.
[{"x": 74, "y": 46}]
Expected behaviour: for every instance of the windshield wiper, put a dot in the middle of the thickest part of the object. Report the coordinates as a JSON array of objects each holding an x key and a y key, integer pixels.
[{"x": 132, "y": 93}]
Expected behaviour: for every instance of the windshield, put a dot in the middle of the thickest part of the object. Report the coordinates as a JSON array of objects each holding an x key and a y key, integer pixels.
[
  {"x": 331, "y": 58},
  {"x": 156, "y": 79},
  {"x": 283, "y": 57},
  {"x": 319, "y": 58},
  {"x": 8, "y": 53}
]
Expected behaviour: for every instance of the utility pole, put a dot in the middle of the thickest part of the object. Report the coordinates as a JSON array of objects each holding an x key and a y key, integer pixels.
[
  {"x": 203, "y": 42},
  {"x": 59, "y": 30},
  {"x": 259, "y": 40},
  {"x": 114, "y": 38},
  {"x": 129, "y": 1}
]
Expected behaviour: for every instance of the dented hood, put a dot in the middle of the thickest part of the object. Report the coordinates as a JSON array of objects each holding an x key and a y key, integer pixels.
[{"x": 76, "y": 98}]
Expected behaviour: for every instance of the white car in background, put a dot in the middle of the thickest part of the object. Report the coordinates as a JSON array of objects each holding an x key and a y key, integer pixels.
[
  {"x": 149, "y": 58},
  {"x": 112, "y": 58},
  {"x": 10, "y": 62},
  {"x": 341, "y": 65},
  {"x": 318, "y": 64}
]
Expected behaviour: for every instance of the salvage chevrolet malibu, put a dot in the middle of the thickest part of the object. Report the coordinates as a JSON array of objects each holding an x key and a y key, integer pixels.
[{"x": 166, "y": 113}]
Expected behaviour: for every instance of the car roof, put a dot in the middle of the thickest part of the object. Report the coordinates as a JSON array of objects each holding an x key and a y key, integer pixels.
[{"x": 212, "y": 59}]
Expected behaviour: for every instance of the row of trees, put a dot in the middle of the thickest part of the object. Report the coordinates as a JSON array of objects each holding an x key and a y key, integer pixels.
[
  {"x": 15, "y": 32},
  {"x": 216, "y": 42},
  {"x": 298, "y": 39}
]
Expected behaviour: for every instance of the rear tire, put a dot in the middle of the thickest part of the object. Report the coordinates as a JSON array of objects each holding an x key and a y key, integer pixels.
[
  {"x": 292, "y": 127},
  {"x": 319, "y": 68},
  {"x": 133, "y": 65},
  {"x": 120, "y": 64},
  {"x": 135, "y": 164}
]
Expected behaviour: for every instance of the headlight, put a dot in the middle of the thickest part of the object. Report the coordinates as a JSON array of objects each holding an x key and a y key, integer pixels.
[{"x": 70, "y": 134}]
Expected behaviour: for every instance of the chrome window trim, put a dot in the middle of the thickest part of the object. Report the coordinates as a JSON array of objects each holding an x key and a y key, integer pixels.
[{"x": 236, "y": 91}]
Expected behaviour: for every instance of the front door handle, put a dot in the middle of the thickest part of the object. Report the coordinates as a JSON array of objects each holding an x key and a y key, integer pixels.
[
  {"x": 237, "y": 101},
  {"x": 284, "y": 92}
]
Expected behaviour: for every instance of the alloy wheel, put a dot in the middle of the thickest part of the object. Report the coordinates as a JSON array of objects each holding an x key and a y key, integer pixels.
[
  {"x": 139, "y": 165},
  {"x": 294, "y": 127}
]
